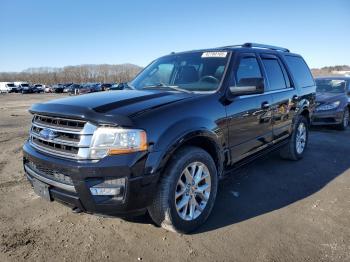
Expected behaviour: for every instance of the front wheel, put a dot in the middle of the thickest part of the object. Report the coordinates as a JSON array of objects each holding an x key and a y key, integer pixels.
[
  {"x": 186, "y": 192},
  {"x": 296, "y": 146},
  {"x": 345, "y": 121}
]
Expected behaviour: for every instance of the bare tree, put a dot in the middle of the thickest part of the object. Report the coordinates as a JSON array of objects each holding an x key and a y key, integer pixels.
[{"x": 76, "y": 74}]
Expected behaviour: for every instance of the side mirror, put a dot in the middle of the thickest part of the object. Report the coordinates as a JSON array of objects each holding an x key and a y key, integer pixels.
[{"x": 248, "y": 86}]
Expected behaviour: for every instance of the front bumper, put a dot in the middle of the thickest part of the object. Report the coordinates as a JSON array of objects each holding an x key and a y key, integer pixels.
[
  {"x": 139, "y": 189},
  {"x": 329, "y": 117}
]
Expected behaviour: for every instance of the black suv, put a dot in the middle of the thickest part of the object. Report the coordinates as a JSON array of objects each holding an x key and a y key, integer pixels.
[{"x": 162, "y": 144}]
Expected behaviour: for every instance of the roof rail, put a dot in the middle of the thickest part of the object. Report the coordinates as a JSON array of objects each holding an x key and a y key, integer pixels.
[
  {"x": 255, "y": 45},
  {"x": 277, "y": 48}
]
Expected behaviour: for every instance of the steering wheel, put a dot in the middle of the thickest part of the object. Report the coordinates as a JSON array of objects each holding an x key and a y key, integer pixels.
[{"x": 210, "y": 79}]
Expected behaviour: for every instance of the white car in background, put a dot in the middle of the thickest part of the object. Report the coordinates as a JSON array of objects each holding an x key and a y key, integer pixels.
[{"x": 7, "y": 87}]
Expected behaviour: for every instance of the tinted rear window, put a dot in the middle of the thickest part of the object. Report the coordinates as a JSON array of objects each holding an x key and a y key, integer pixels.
[
  {"x": 300, "y": 71},
  {"x": 274, "y": 74}
]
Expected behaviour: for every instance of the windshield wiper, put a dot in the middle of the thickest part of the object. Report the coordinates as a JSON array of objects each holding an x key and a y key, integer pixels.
[{"x": 177, "y": 88}]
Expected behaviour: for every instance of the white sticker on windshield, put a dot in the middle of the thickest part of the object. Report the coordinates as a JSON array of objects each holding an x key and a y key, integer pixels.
[{"x": 214, "y": 54}]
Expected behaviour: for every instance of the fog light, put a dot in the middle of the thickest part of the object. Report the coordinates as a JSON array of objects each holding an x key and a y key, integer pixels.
[
  {"x": 104, "y": 191},
  {"x": 109, "y": 187}
]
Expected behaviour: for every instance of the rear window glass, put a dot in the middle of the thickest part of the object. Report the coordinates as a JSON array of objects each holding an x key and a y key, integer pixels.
[
  {"x": 300, "y": 71},
  {"x": 274, "y": 74}
]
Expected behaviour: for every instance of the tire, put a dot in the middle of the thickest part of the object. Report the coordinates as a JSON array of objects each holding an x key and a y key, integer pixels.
[
  {"x": 164, "y": 209},
  {"x": 345, "y": 121},
  {"x": 291, "y": 151}
]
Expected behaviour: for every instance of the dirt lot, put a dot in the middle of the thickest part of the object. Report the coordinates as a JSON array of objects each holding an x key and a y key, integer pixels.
[{"x": 273, "y": 210}]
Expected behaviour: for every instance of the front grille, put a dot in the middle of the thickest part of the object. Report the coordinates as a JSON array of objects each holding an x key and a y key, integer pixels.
[
  {"x": 324, "y": 119},
  {"x": 67, "y": 138},
  {"x": 59, "y": 122},
  {"x": 57, "y": 175}
]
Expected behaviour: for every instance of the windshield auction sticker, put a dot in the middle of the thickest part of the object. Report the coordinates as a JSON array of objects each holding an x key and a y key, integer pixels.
[{"x": 214, "y": 54}]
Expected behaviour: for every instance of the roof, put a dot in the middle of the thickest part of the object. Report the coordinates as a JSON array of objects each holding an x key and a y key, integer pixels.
[{"x": 246, "y": 47}]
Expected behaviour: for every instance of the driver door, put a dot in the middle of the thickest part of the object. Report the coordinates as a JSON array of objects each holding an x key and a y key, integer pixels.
[{"x": 249, "y": 116}]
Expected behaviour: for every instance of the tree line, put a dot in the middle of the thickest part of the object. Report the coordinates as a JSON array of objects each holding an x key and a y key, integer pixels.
[
  {"x": 329, "y": 70},
  {"x": 76, "y": 74}
]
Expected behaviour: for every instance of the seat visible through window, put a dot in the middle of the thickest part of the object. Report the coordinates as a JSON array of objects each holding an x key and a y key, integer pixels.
[{"x": 187, "y": 74}]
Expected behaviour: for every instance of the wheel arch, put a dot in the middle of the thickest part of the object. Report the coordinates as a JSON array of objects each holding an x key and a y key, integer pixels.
[{"x": 203, "y": 139}]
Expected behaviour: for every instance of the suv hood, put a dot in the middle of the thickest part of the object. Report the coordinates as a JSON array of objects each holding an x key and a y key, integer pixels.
[
  {"x": 112, "y": 107},
  {"x": 329, "y": 97}
]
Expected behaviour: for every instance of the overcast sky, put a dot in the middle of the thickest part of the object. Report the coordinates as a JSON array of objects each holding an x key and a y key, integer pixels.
[{"x": 57, "y": 33}]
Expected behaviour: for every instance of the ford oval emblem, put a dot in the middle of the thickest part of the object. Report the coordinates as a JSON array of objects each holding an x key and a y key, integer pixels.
[{"x": 48, "y": 133}]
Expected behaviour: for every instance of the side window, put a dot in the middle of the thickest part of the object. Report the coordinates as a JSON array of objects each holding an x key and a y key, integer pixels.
[
  {"x": 300, "y": 71},
  {"x": 274, "y": 74},
  {"x": 248, "y": 68}
]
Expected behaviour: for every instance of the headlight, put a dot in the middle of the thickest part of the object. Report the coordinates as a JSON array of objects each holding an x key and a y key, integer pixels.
[
  {"x": 115, "y": 141},
  {"x": 328, "y": 106}
]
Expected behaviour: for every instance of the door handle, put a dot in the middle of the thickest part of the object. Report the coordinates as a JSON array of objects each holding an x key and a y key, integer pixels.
[{"x": 265, "y": 105}]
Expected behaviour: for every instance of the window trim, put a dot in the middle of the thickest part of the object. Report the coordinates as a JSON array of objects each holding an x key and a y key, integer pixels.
[{"x": 284, "y": 70}]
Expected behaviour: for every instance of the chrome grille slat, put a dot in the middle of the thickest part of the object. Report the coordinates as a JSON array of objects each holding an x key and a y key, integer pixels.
[
  {"x": 53, "y": 152},
  {"x": 71, "y": 137},
  {"x": 56, "y": 129},
  {"x": 63, "y": 123},
  {"x": 62, "y": 142}
]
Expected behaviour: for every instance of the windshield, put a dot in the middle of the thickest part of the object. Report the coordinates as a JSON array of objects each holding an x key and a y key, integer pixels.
[
  {"x": 11, "y": 85},
  {"x": 330, "y": 86},
  {"x": 25, "y": 85},
  {"x": 197, "y": 71}
]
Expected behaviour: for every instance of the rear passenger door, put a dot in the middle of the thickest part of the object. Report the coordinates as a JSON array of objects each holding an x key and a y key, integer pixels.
[{"x": 284, "y": 95}]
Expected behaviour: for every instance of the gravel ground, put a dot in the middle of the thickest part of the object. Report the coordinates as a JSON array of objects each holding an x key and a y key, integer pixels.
[{"x": 272, "y": 210}]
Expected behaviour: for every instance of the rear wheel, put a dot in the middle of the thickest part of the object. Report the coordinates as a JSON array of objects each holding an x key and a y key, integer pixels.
[
  {"x": 187, "y": 192},
  {"x": 296, "y": 146},
  {"x": 345, "y": 121}
]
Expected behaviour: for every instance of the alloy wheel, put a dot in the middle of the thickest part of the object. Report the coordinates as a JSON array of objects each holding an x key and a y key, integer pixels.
[
  {"x": 301, "y": 138},
  {"x": 192, "y": 191}
]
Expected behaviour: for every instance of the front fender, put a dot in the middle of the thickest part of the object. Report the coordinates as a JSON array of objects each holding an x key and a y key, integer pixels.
[{"x": 177, "y": 135}]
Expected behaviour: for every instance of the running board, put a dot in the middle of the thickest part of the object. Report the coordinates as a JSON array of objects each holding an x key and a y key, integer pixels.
[{"x": 231, "y": 170}]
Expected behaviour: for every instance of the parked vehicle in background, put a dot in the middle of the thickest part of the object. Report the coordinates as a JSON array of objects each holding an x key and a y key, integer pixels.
[
  {"x": 48, "y": 89},
  {"x": 58, "y": 88},
  {"x": 74, "y": 89},
  {"x": 19, "y": 85},
  {"x": 189, "y": 120},
  {"x": 332, "y": 102},
  {"x": 39, "y": 88},
  {"x": 95, "y": 87},
  {"x": 8, "y": 87},
  {"x": 67, "y": 87},
  {"x": 105, "y": 86},
  {"x": 12, "y": 88},
  {"x": 117, "y": 86},
  {"x": 25, "y": 88},
  {"x": 29, "y": 89},
  {"x": 89, "y": 88}
]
